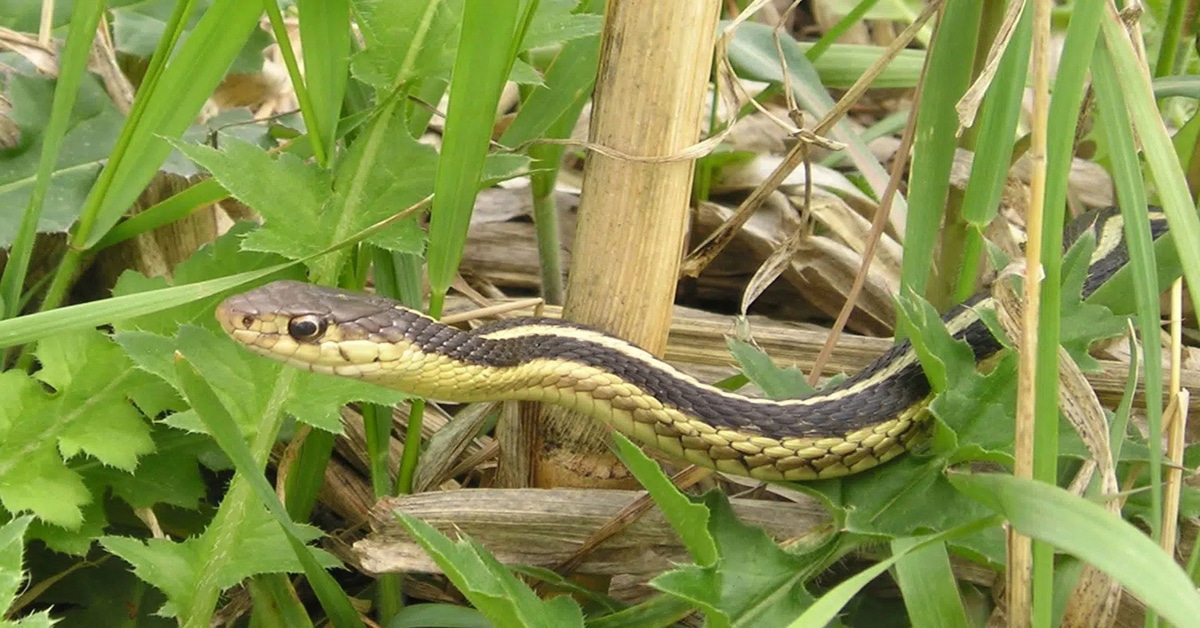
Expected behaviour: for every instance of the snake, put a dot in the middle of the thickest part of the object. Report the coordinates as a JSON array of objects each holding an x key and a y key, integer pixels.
[{"x": 865, "y": 420}]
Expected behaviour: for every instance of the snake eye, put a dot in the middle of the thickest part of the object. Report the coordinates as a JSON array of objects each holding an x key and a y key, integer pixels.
[{"x": 307, "y": 327}]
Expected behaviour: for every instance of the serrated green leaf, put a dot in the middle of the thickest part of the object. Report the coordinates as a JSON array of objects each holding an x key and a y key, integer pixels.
[
  {"x": 170, "y": 475},
  {"x": 1083, "y": 323},
  {"x": 555, "y": 23},
  {"x": 525, "y": 74},
  {"x": 245, "y": 382},
  {"x": 317, "y": 399},
  {"x": 406, "y": 41},
  {"x": 383, "y": 173},
  {"x": 175, "y": 568},
  {"x": 690, "y": 520},
  {"x": 288, "y": 192},
  {"x": 754, "y": 583},
  {"x": 12, "y": 543},
  {"x": 498, "y": 167},
  {"x": 490, "y": 586},
  {"x": 76, "y": 541},
  {"x": 88, "y": 412},
  {"x": 776, "y": 382},
  {"x": 91, "y": 376}
]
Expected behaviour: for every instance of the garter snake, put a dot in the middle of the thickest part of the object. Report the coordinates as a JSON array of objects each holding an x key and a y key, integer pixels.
[{"x": 871, "y": 417}]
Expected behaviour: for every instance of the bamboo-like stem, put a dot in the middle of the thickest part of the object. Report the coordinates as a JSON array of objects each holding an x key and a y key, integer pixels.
[
  {"x": 1021, "y": 566},
  {"x": 655, "y": 62}
]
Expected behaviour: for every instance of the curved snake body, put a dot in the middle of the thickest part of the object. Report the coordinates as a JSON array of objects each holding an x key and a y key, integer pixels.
[{"x": 866, "y": 420}]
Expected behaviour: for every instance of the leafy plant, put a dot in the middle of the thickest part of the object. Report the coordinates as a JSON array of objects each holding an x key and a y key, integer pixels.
[{"x": 134, "y": 436}]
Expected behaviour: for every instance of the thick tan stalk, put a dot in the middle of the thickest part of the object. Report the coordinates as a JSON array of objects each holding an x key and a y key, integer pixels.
[{"x": 650, "y": 92}]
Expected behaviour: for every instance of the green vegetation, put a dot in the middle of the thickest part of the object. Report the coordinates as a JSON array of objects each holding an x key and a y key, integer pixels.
[{"x": 152, "y": 471}]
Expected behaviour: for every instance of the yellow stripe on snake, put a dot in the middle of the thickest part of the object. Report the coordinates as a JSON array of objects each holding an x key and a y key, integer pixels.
[{"x": 868, "y": 419}]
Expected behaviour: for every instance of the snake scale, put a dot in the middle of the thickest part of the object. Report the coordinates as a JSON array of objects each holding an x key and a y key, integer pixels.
[{"x": 867, "y": 419}]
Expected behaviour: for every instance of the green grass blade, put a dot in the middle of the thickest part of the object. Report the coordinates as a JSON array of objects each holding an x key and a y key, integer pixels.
[
  {"x": 1091, "y": 533},
  {"x": 486, "y": 51},
  {"x": 1131, "y": 193},
  {"x": 1063, "y": 119},
  {"x": 73, "y": 66},
  {"x": 165, "y": 212},
  {"x": 850, "y": 19},
  {"x": 169, "y": 108},
  {"x": 26, "y": 329},
  {"x": 689, "y": 520},
  {"x": 995, "y": 136},
  {"x": 1168, "y": 178},
  {"x": 928, "y": 585},
  {"x": 823, "y": 612},
  {"x": 225, "y": 431},
  {"x": 946, "y": 78},
  {"x": 325, "y": 38}
]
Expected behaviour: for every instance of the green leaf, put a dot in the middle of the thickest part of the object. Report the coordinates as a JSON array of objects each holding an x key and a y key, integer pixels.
[
  {"x": 12, "y": 544},
  {"x": 90, "y": 375},
  {"x": 245, "y": 381},
  {"x": 288, "y": 192},
  {"x": 947, "y": 78},
  {"x": 490, "y": 586},
  {"x": 175, "y": 568},
  {"x": 930, "y": 590},
  {"x": 442, "y": 615},
  {"x": 170, "y": 475},
  {"x": 87, "y": 413},
  {"x": 754, "y": 582},
  {"x": 824, "y": 610},
  {"x": 690, "y": 520},
  {"x": 490, "y": 39},
  {"x": 1083, "y": 323},
  {"x": 1092, "y": 534},
  {"x": 384, "y": 172},
  {"x": 221, "y": 425},
  {"x": 406, "y": 41},
  {"x": 75, "y": 541},
  {"x": 91, "y": 133},
  {"x": 555, "y": 23},
  {"x": 907, "y": 496},
  {"x": 325, "y": 35},
  {"x": 317, "y": 399},
  {"x": 775, "y": 382},
  {"x": 932, "y": 343}
]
